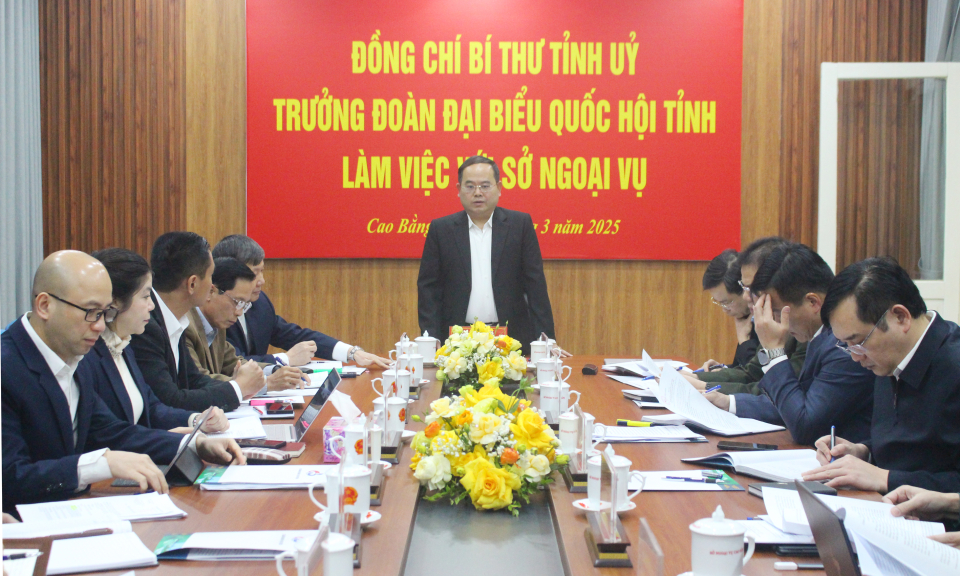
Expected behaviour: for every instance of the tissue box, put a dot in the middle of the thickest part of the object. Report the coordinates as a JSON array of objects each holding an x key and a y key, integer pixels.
[{"x": 333, "y": 428}]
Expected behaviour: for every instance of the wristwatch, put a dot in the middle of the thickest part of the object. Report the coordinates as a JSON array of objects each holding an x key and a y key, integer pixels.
[
  {"x": 352, "y": 352},
  {"x": 765, "y": 356}
]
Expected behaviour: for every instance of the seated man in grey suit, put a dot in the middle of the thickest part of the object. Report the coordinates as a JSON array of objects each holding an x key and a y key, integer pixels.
[{"x": 483, "y": 264}]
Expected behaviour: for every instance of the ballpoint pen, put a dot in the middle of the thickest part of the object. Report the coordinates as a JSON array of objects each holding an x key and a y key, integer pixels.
[
  {"x": 714, "y": 389},
  {"x": 701, "y": 480},
  {"x": 833, "y": 441}
]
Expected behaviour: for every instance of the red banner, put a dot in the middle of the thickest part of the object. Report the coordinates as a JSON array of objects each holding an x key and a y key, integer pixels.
[{"x": 616, "y": 125}]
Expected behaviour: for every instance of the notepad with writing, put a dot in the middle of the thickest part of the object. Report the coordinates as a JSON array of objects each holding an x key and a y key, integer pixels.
[{"x": 773, "y": 465}]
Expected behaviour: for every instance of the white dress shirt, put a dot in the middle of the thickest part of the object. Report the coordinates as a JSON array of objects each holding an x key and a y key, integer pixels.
[
  {"x": 906, "y": 359},
  {"x": 175, "y": 326},
  {"x": 92, "y": 466},
  {"x": 482, "y": 305}
]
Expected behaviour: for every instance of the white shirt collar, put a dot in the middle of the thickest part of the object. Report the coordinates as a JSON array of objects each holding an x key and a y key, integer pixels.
[
  {"x": 818, "y": 332},
  {"x": 906, "y": 359},
  {"x": 208, "y": 330},
  {"x": 54, "y": 361},
  {"x": 487, "y": 226},
  {"x": 175, "y": 326}
]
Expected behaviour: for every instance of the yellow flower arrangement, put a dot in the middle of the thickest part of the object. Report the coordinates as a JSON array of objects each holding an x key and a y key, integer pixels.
[
  {"x": 477, "y": 357},
  {"x": 487, "y": 446}
]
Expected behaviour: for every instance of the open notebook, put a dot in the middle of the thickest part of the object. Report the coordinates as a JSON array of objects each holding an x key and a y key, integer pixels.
[{"x": 773, "y": 465}]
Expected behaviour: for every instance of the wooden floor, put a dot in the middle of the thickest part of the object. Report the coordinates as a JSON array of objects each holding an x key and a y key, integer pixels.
[{"x": 668, "y": 513}]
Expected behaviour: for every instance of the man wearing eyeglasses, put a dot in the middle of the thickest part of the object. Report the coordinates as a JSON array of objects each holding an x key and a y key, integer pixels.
[
  {"x": 58, "y": 435},
  {"x": 877, "y": 312},
  {"x": 182, "y": 270},
  {"x": 206, "y": 337},
  {"x": 483, "y": 264},
  {"x": 830, "y": 389}
]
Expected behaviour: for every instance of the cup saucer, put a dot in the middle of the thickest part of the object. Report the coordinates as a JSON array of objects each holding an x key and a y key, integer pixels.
[
  {"x": 370, "y": 516},
  {"x": 535, "y": 386},
  {"x": 424, "y": 381},
  {"x": 386, "y": 465},
  {"x": 584, "y": 504},
  {"x": 407, "y": 434},
  {"x": 628, "y": 506}
]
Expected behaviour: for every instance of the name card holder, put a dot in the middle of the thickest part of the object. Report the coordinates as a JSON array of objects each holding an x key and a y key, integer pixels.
[
  {"x": 575, "y": 474},
  {"x": 605, "y": 536}
]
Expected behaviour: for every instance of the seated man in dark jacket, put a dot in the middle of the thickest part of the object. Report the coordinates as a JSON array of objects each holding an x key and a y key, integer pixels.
[
  {"x": 182, "y": 270},
  {"x": 831, "y": 389},
  {"x": 877, "y": 312},
  {"x": 261, "y": 327},
  {"x": 58, "y": 436}
]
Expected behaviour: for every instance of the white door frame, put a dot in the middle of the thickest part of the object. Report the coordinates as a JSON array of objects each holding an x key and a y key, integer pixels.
[{"x": 941, "y": 295}]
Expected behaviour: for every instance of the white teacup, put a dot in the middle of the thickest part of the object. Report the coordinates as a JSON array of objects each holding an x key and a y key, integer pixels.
[
  {"x": 546, "y": 370},
  {"x": 595, "y": 443},
  {"x": 337, "y": 555},
  {"x": 717, "y": 546},
  {"x": 396, "y": 414},
  {"x": 569, "y": 429},
  {"x": 561, "y": 376},
  {"x": 412, "y": 363},
  {"x": 624, "y": 475},
  {"x": 565, "y": 393},
  {"x": 399, "y": 381},
  {"x": 538, "y": 351},
  {"x": 354, "y": 445},
  {"x": 356, "y": 491},
  {"x": 550, "y": 399},
  {"x": 427, "y": 347}
]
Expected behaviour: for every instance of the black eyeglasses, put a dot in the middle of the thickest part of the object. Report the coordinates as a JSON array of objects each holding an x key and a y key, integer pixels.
[
  {"x": 242, "y": 306},
  {"x": 92, "y": 315},
  {"x": 859, "y": 349}
]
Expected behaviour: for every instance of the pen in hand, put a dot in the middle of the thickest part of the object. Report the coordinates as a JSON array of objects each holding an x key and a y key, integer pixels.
[
  {"x": 833, "y": 441},
  {"x": 714, "y": 389}
]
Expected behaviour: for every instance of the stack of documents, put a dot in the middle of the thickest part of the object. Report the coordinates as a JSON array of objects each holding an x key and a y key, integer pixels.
[
  {"x": 135, "y": 508},
  {"x": 263, "y": 477},
  {"x": 98, "y": 553},
  {"x": 772, "y": 465},
  {"x": 646, "y": 366},
  {"x": 648, "y": 434},
  {"x": 785, "y": 511},
  {"x": 766, "y": 534},
  {"x": 256, "y": 545},
  {"x": 73, "y": 527},
  {"x": 691, "y": 407},
  {"x": 243, "y": 427}
]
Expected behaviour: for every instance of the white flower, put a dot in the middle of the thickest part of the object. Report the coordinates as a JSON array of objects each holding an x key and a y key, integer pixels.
[
  {"x": 539, "y": 466},
  {"x": 455, "y": 365},
  {"x": 514, "y": 366},
  {"x": 433, "y": 471},
  {"x": 485, "y": 428}
]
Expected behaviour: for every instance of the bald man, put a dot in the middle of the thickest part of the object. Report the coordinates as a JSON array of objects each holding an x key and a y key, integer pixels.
[{"x": 58, "y": 435}]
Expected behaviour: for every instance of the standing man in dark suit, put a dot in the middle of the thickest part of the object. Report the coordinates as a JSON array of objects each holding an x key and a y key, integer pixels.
[
  {"x": 261, "y": 327},
  {"x": 831, "y": 389},
  {"x": 483, "y": 264},
  {"x": 877, "y": 312},
  {"x": 58, "y": 435},
  {"x": 182, "y": 271}
]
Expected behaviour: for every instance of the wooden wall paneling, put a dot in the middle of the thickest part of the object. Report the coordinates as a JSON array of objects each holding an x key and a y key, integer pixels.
[
  {"x": 760, "y": 150},
  {"x": 878, "y": 124},
  {"x": 216, "y": 117},
  {"x": 112, "y": 122}
]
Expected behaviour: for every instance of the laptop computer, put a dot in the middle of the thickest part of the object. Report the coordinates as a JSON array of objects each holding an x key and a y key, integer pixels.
[
  {"x": 185, "y": 467},
  {"x": 295, "y": 432},
  {"x": 831, "y": 537}
]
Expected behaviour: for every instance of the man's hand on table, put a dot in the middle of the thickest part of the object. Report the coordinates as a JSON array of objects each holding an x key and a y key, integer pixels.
[
  {"x": 364, "y": 358},
  {"x": 850, "y": 468},
  {"x": 719, "y": 399},
  {"x": 301, "y": 353},
  {"x": 285, "y": 378},
  {"x": 913, "y": 502},
  {"x": 219, "y": 450}
]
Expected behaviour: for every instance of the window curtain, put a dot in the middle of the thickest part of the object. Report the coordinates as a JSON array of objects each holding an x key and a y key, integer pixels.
[
  {"x": 943, "y": 21},
  {"x": 21, "y": 215}
]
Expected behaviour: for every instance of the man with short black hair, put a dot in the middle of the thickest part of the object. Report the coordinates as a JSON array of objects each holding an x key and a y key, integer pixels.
[
  {"x": 831, "y": 389},
  {"x": 261, "y": 327},
  {"x": 721, "y": 282},
  {"x": 182, "y": 270},
  {"x": 483, "y": 263},
  {"x": 206, "y": 336},
  {"x": 877, "y": 312}
]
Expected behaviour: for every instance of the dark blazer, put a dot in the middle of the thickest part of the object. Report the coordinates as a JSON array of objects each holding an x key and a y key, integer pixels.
[
  {"x": 39, "y": 454},
  {"x": 110, "y": 388},
  {"x": 181, "y": 387},
  {"x": 519, "y": 286},
  {"x": 747, "y": 349},
  {"x": 831, "y": 390},
  {"x": 916, "y": 422},
  {"x": 267, "y": 328}
]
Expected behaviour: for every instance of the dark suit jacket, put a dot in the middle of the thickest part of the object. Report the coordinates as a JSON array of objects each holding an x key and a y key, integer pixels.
[
  {"x": 39, "y": 454},
  {"x": 519, "y": 286},
  {"x": 916, "y": 430},
  {"x": 110, "y": 388},
  {"x": 831, "y": 390},
  {"x": 268, "y": 329},
  {"x": 746, "y": 350},
  {"x": 184, "y": 387}
]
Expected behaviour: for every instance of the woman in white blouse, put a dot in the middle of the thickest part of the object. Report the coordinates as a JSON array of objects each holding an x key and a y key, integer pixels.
[{"x": 122, "y": 386}]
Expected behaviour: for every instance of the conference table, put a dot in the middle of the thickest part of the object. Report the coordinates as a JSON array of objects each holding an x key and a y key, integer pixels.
[{"x": 386, "y": 541}]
